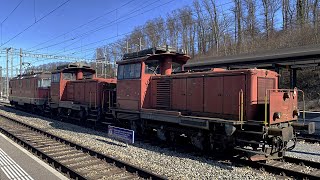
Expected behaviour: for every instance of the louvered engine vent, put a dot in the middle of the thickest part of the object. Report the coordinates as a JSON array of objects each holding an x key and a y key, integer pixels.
[{"x": 163, "y": 94}]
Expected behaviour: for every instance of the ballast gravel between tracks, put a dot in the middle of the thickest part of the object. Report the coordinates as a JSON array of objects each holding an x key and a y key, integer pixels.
[{"x": 163, "y": 161}]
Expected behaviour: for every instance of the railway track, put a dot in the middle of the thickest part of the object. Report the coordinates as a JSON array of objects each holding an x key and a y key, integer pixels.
[
  {"x": 288, "y": 167},
  {"x": 73, "y": 160},
  {"x": 311, "y": 138}
]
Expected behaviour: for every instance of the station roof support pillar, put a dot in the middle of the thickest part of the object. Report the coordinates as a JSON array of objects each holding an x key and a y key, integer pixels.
[{"x": 293, "y": 78}]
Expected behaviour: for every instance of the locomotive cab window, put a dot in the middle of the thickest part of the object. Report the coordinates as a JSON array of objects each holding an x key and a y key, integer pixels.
[
  {"x": 69, "y": 76},
  {"x": 152, "y": 67},
  {"x": 55, "y": 78},
  {"x": 44, "y": 83},
  {"x": 129, "y": 71},
  {"x": 87, "y": 75},
  {"x": 176, "y": 67}
]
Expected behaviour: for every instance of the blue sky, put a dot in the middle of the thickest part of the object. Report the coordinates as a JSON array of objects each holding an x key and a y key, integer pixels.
[
  {"x": 71, "y": 15},
  {"x": 58, "y": 32}
]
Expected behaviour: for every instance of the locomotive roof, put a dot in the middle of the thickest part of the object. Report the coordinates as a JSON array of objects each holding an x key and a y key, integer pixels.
[
  {"x": 74, "y": 66},
  {"x": 33, "y": 75},
  {"x": 217, "y": 72},
  {"x": 154, "y": 53}
]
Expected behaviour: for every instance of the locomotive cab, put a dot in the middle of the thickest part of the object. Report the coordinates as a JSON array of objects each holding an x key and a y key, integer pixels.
[
  {"x": 78, "y": 95},
  {"x": 65, "y": 73},
  {"x": 135, "y": 71}
]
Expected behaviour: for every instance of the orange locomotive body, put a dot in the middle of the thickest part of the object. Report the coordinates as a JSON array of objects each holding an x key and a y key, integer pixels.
[
  {"x": 77, "y": 94},
  {"x": 217, "y": 109}
]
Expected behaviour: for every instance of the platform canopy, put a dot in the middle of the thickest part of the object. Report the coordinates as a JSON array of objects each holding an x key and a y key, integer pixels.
[{"x": 291, "y": 58}]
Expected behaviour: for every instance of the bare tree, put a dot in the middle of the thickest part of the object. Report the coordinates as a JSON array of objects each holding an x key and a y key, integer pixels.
[
  {"x": 201, "y": 41},
  {"x": 285, "y": 14},
  {"x": 238, "y": 24},
  {"x": 211, "y": 8},
  {"x": 270, "y": 8},
  {"x": 315, "y": 13},
  {"x": 185, "y": 21},
  {"x": 301, "y": 8}
]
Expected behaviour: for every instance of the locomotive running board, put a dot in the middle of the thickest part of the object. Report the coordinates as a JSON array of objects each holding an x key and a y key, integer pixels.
[{"x": 175, "y": 117}]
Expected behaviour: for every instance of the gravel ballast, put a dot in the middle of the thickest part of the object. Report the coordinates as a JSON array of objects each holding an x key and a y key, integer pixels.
[
  {"x": 304, "y": 150},
  {"x": 162, "y": 161}
]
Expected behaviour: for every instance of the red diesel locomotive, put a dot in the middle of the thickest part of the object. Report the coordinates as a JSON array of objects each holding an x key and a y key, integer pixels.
[{"x": 215, "y": 110}]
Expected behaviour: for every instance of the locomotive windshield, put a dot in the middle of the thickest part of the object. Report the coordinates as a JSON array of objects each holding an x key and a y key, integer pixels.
[
  {"x": 129, "y": 71},
  {"x": 44, "y": 82},
  {"x": 87, "y": 75},
  {"x": 176, "y": 67},
  {"x": 69, "y": 76},
  {"x": 152, "y": 67},
  {"x": 55, "y": 78}
]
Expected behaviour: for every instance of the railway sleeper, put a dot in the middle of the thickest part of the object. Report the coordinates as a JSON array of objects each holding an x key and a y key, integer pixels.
[
  {"x": 83, "y": 164},
  {"x": 61, "y": 153},
  {"x": 74, "y": 159},
  {"x": 74, "y": 155},
  {"x": 44, "y": 146},
  {"x": 52, "y": 150}
]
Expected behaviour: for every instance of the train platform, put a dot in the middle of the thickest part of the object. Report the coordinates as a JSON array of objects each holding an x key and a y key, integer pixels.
[{"x": 17, "y": 163}]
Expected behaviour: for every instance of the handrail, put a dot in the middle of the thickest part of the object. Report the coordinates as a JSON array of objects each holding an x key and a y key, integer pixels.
[
  {"x": 304, "y": 106},
  {"x": 102, "y": 103},
  {"x": 241, "y": 107},
  {"x": 266, "y": 108},
  {"x": 95, "y": 100},
  {"x": 90, "y": 99},
  {"x": 241, "y": 101}
]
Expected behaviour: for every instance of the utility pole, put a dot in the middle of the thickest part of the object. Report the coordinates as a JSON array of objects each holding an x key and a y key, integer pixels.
[
  {"x": 140, "y": 44},
  {"x": 7, "y": 73},
  {"x": 20, "y": 62},
  {"x": 1, "y": 81},
  {"x": 127, "y": 47},
  {"x": 11, "y": 74},
  {"x": 103, "y": 65},
  {"x": 96, "y": 62}
]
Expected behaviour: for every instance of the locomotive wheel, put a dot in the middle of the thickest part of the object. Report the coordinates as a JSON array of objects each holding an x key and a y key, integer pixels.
[
  {"x": 171, "y": 137},
  {"x": 137, "y": 127},
  {"x": 59, "y": 114},
  {"x": 82, "y": 115}
]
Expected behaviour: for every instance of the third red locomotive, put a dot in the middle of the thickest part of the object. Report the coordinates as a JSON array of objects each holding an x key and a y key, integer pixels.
[{"x": 219, "y": 109}]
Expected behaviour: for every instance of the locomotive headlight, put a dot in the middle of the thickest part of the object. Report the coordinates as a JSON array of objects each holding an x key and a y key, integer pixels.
[
  {"x": 296, "y": 112},
  {"x": 286, "y": 95},
  {"x": 229, "y": 129},
  {"x": 276, "y": 115},
  {"x": 294, "y": 93}
]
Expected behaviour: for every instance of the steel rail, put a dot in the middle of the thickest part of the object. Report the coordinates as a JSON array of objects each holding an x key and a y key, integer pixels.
[
  {"x": 312, "y": 138},
  {"x": 276, "y": 167}
]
